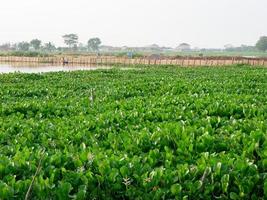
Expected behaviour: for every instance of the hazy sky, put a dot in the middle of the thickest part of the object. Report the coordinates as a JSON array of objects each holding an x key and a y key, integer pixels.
[{"x": 202, "y": 23}]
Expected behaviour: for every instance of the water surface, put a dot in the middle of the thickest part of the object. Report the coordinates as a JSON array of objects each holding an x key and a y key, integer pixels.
[{"x": 40, "y": 68}]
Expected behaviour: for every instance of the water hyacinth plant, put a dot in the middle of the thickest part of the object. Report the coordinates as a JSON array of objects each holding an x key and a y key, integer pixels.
[{"x": 151, "y": 133}]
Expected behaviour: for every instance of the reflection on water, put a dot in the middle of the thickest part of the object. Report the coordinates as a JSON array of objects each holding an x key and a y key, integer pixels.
[{"x": 44, "y": 67}]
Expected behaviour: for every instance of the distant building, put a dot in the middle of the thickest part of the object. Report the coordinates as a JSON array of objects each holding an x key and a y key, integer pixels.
[
  {"x": 183, "y": 47},
  {"x": 153, "y": 47},
  {"x": 105, "y": 48},
  {"x": 228, "y": 46}
]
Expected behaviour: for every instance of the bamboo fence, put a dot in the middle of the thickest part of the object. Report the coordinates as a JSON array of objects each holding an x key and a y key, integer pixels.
[{"x": 109, "y": 60}]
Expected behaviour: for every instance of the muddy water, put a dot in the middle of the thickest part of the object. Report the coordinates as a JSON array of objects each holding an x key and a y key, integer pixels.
[{"x": 40, "y": 68}]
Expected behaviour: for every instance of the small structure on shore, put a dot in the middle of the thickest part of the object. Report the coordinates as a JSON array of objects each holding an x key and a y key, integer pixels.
[{"x": 183, "y": 47}]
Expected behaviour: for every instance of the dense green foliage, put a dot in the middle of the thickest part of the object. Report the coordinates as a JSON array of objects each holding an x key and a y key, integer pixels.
[
  {"x": 71, "y": 40},
  {"x": 24, "y": 53},
  {"x": 161, "y": 133},
  {"x": 93, "y": 44},
  {"x": 36, "y": 44},
  {"x": 262, "y": 43}
]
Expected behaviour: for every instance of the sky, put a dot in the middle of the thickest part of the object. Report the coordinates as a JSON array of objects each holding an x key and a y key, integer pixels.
[{"x": 201, "y": 23}]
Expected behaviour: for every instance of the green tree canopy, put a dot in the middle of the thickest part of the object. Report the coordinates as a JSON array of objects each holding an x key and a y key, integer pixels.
[
  {"x": 71, "y": 40},
  {"x": 49, "y": 47},
  {"x": 93, "y": 44},
  {"x": 23, "y": 46},
  {"x": 36, "y": 44},
  {"x": 262, "y": 43}
]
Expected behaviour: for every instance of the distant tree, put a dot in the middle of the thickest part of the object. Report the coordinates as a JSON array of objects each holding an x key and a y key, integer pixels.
[
  {"x": 93, "y": 44},
  {"x": 262, "y": 43},
  {"x": 23, "y": 46},
  {"x": 82, "y": 47},
  {"x": 5, "y": 47},
  {"x": 36, "y": 44},
  {"x": 244, "y": 47},
  {"x": 49, "y": 47},
  {"x": 71, "y": 40}
]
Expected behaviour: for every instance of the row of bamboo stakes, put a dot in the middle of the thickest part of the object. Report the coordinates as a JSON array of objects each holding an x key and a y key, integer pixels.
[{"x": 109, "y": 60}]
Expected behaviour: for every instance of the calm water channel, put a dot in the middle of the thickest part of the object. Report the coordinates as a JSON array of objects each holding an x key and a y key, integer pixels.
[{"x": 40, "y": 68}]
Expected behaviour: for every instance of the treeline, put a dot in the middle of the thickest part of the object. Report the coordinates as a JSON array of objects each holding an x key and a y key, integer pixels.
[
  {"x": 240, "y": 48},
  {"x": 33, "y": 45},
  {"x": 36, "y": 46}
]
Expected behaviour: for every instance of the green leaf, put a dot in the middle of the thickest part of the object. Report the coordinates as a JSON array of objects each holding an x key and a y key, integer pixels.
[
  {"x": 176, "y": 189},
  {"x": 234, "y": 196},
  {"x": 5, "y": 191},
  {"x": 124, "y": 171},
  {"x": 265, "y": 188},
  {"x": 81, "y": 193},
  {"x": 225, "y": 182},
  {"x": 64, "y": 190}
]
